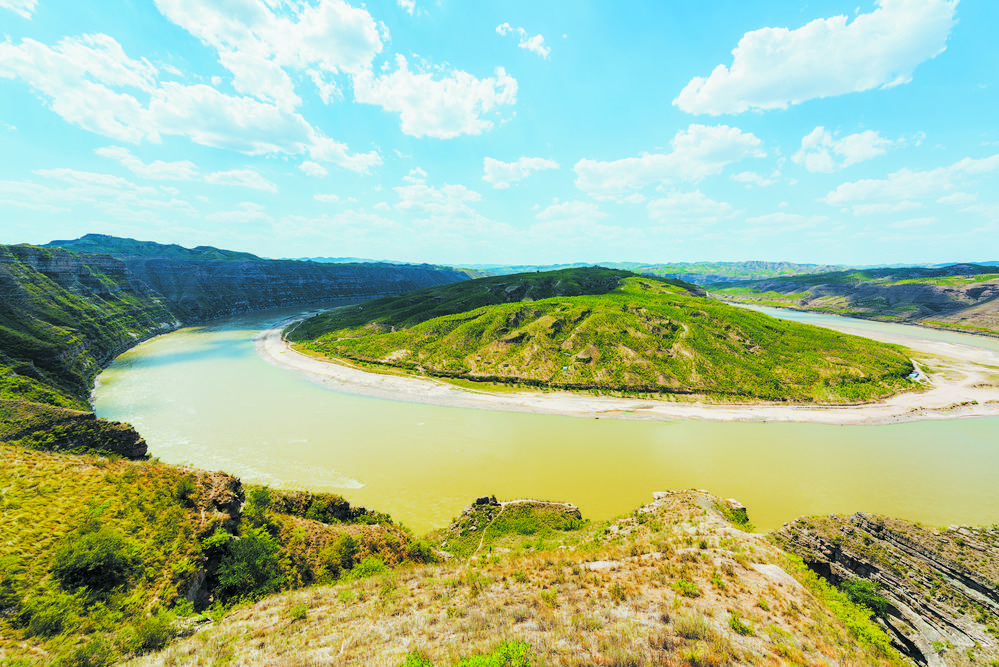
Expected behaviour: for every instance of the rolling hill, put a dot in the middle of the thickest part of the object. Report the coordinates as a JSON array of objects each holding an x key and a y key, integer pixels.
[{"x": 606, "y": 330}]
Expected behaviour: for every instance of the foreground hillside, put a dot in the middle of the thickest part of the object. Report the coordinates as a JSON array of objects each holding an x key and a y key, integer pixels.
[
  {"x": 673, "y": 584},
  {"x": 609, "y": 330},
  {"x": 963, "y": 297}
]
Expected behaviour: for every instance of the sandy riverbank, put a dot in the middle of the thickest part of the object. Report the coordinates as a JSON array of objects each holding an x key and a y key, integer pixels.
[{"x": 961, "y": 381}]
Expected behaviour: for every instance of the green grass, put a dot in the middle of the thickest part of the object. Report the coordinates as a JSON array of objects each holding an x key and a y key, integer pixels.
[{"x": 641, "y": 335}]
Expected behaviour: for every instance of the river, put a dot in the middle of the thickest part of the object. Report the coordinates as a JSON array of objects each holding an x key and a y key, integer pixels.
[{"x": 201, "y": 396}]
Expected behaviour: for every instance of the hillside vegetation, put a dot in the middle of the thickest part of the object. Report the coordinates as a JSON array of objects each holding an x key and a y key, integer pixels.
[
  {"x": 963, "y": 297},
  {"x": 606, "y": 330},
  {"x": 674, "y": 584}
]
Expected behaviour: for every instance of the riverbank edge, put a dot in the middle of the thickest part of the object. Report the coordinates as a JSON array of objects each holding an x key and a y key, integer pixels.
[{"x": 946, "y": 399}]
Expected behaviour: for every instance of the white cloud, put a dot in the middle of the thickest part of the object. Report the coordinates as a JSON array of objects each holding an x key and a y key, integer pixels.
[
  {"x": 958, "y": 199},
  {"x": 821, "y": 153},
  {"x": 913, "y": 223},
  {"x": 698, "y": 152},
  {"x": 572, "y": 210},
  {"x": 328, "y": 199},
  {"x": 409, "y": 6},
  {"x": 442, "y": 108},
  {"x": 22, "y": 7},
  {"x": 688, "y": 206},
  {"x": 77, "y": 76},
  {"x": 257, "y": 44},
  {"x": 502, "y": 174},
  {"x": 415, "y": 176},
  {"x": 885, "y": 208},
  {"x": 244, "y": 178},
  {"x": 533, "y": 43},
  {"x": 906, "y": 184},
  {"x": 113, "y": 195},
  {"x": 775, "y": 67},
  {"x": 312, "y": 169},
  {"x": 82, "y": 78},
  {"x": 183, "y": 170},
  {"x": 244, "y": 213},
  {"x": 752, "y": 178}
]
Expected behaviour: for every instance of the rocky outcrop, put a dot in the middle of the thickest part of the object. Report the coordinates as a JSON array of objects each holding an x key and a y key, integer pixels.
[
  {"x": 940, "y": 587},
  {"x": 55, "y": 429}
]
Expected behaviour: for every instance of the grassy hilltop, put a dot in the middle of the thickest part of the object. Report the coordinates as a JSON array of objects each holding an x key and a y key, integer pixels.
[{"x": 605, "y": 329}]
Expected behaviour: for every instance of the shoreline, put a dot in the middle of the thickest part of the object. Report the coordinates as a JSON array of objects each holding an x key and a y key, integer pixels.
[{"x": 964, "y": 383}]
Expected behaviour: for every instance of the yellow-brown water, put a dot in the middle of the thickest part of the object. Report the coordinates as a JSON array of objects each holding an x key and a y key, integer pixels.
[{"x": 202, "y": 396}]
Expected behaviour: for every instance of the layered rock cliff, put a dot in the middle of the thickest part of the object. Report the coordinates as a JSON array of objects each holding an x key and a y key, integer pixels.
[
  {"x": 938, "y": 590},
  {"x": 64, "y": 316}
]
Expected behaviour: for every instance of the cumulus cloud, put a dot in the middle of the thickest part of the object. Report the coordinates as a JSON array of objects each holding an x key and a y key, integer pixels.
[
  {"x": 327, "y": 198},
  {"x": 83, "y": 78},
  {"x": 244, "y": 178},
  {"x": 183, "y": 170},
  {"x": 533, "y": 43},
  {"x": 910, "y": 184},
  {"x": 819, "y": 152},
  {"x": 698, "y": 152},
  {"x": 22, "y": 7},
  {"x": 773, "y": 68},
  {"x": 502, "y": 174},
  {"x": 312, "y": 169},
  {"x": 442, "y": 108},
  {"x": 257, "y": 44},
  {"x": 409, "y": 6},
  {"x": 688, "y": 206}
]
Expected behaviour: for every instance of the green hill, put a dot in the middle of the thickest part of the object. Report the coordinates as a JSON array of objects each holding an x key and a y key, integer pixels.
[
  {"x": 964, "y": 297},
  {"x": 605, "y": 329},
  {"x": 123, "y": 247}
]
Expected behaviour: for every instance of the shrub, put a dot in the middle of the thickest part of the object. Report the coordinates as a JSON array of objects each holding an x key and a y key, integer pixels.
[
  {"x": 507, "y": 654},
  {"x": 151, "y": 633},
  {"x": 299, "y": 612},
  {"x": 49, "y": 614},
  {"x": 337, "y": 558},
  {"x": 98, "y": 558},
  {"x": 687, "y": 588},
  {"x": 97, "y": 652},
  {"x": 739, "y": 626},
  {"x": 250, "y": 566},
  {"x": 865, "y": 593},
  {"x": 185, "y": 490},
  {"x": 368, "y": 567}
]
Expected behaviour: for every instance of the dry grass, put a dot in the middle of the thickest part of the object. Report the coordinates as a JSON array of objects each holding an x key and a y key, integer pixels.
[{"x": 610, "y": 600}]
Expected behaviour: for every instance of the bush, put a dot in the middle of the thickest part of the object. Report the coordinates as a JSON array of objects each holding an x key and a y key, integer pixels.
[
  {"x": 49, "y": 614},
  {"x": 98, "y": 558},
  {"x": 865, "y": 593},
  {"x": 337, "y": 558},
  {"x": 97, "y": 652},
  {"x": 151, "y": 633},
  {"x": 250, "y": 566},
  {"x": 368, "y": 567},
  {"x": 185, "y": 490},
  {"x": 507, "y": 654}
]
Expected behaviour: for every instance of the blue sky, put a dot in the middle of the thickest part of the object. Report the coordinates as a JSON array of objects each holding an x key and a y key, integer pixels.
[{"x": 507, "y": 132}]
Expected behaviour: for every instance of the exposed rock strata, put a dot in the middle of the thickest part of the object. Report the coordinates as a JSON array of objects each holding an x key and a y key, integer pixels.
[{"x": 941, "y": 586}]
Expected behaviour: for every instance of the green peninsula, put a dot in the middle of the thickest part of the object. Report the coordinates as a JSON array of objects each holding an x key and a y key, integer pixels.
[{"x": 606, "y": 330}]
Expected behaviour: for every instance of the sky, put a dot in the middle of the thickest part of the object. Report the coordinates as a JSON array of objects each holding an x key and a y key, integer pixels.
[{"x": 507, "y": 132}]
